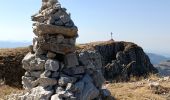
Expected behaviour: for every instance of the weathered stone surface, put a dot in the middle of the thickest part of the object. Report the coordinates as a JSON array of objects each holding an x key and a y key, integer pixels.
[
  {"x": 26, "y": 61},
  {"x": 43, "y": 29},
  {"x": 35, "y": 74},
  {"x": 74, "y": 70},
  {"x": 52, "y": 65},
  {"x": 36, "y": 64},
  {"x": 46, "y": 73},
  {"x": 89, "y": 91},
  {"x": 71, "y": 60},
  {"x": 28, "y": 82},
  {"x": 124, "y": 57},
  {"x": 98, "y": 79},
  {"x": 64, "y": 80},
  {"x": 44, "y": 82},
  {"x": 38, "y": 93},
  {"x": 91, "y": 59},
  {"x": 60, "y": 48}
]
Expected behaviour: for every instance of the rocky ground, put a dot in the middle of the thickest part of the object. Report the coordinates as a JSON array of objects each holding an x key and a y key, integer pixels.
[{"x": 153, "y": 88}]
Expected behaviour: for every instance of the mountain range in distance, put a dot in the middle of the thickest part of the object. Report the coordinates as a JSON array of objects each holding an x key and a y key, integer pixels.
[
  {"x": 13, "y": 44},
  {"x": 156, "y": 58}
]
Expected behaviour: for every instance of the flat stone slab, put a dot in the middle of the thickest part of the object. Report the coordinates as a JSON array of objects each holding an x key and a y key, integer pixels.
[{"x": 42, "y": 29}]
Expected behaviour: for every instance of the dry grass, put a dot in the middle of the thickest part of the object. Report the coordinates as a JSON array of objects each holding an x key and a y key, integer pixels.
[
  {"x": 139, "y": 90},
  {"x": 13, "y": 51},
  {"x": 7, "y": 90}
]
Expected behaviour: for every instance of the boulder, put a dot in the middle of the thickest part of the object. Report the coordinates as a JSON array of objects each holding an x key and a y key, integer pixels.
[{"x": 43, "y": 29}]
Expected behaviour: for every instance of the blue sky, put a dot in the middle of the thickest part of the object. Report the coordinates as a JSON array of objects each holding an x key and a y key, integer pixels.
[{"x": 145, "y": 22}]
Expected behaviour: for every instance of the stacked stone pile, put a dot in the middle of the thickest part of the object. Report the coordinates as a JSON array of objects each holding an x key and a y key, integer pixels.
[{"x": 53, "y": 69}]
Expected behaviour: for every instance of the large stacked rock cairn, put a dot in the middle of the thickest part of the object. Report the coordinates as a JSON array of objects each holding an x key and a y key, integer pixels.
[{"x": 53, "y": 69}]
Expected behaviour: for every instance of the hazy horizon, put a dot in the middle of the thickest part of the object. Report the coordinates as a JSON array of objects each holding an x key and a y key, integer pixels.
[{"x": 144, "y": 22}]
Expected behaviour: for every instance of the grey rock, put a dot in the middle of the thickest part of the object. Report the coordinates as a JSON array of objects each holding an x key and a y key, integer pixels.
[
  {"x": 59, "y": 89},
  {"x": 74, "y": 70},
  {"x": 45, "y": 82},
  {"x": 26, "y": 61},
  {"x": 35, "y": 74},
  {"x": 37, "y": 93},
  {"x": 50, "y": 21},
  {"x": 89, "y": 91},
  {"x": 56, "y": 97},
  {"x": 105, "y": 93},
  {"x": 52, "y": 65},
  {"x": 69, "y": 24},
  {"x": 92, "y": 59},
  {"x": 28, "y": 82},
  {"x": 64, "y": 80},
  {"x": 37, "y": 64},
  {"x": 43, "y": 29},
  {"x": 55, "y": 74},
  {"x": 59, "y": 48},
  {"x": 71, "y": 60},
  {"x": 59, "y": 23},
  {"x": 79, "y": 86},
  {"x": 46, "y": 73},
  {"x": 98, "y": 79}
]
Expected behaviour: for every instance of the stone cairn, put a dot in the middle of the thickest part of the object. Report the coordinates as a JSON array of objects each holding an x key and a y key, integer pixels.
[{"x": 54, "y": 71}]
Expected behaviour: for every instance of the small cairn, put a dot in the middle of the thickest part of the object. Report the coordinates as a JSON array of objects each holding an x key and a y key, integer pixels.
[{"x": 54, "y": 70}]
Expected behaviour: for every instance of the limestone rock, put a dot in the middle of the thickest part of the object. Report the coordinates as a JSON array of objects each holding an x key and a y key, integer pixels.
[
  {"x": 38, "y": 93},
  {"x": 26, "y": 61},
  {"x": 52, "y": 65},
  {"x": 91, "y": 59},
  {"x": 44, "y": 82},
  {"x": 43, "y": 29},
  {"x": 64, "y": 80},
  {"x": 71, "y": 60},
  {"x": 46, "y": 73},
  {"x": 36, "y": 64}
]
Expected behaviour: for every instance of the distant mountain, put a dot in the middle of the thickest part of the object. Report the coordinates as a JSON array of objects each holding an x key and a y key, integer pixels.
[
  {"x": 9, "y": 44},
  {"x": 156, "y": 59}
]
